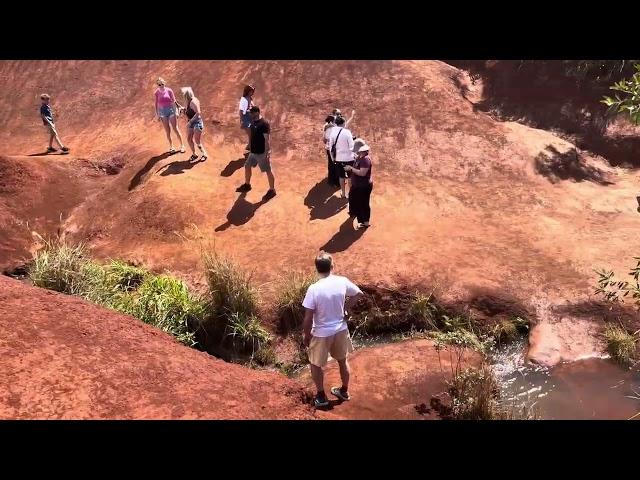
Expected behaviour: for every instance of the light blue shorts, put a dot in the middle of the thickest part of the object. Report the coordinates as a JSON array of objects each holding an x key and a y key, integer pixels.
[
  {"x": 166, "y": 112},
  {"x": 198, "y": 125}
]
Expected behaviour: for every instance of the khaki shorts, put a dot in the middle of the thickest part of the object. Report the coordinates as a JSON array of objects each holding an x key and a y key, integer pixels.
[
  {"x": 338, "y": 345},
  {"x": 259, "y": 159}
]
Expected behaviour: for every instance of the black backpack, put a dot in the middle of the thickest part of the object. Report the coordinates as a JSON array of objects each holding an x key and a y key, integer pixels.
[{"x": 333, "y": 147}]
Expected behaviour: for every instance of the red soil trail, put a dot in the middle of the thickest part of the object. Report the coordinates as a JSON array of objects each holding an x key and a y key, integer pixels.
[{"x": 64, "y": 358}]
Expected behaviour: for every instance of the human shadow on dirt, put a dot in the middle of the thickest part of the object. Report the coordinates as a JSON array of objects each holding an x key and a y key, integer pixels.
[
  {"x": 137, "y": 178},
  {"x": 241, "y": 212},
  {"x": 46, "y": 154},
  {"x": 176, "y": 168},
  {"x": 346, "y": 236},
  {"x": 541, "y": 94},
  {"x": 558, "y": 166},
  {"x": 232, "y": 167},
  {"x": 322, "y": 202}
]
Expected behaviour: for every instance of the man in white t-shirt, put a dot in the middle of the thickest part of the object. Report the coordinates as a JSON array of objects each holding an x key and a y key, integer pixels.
[
  {"x": 342, "y": 138},
  {"x": 325, "y": 328}
]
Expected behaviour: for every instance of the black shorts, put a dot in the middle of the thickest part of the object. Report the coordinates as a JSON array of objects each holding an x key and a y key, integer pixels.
[{"x": 342, "y": 173}]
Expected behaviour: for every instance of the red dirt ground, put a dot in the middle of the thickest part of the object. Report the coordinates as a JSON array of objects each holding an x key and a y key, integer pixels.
[
  {"x": 64, "y": 358},
  {"x": 461, "y": 201}
]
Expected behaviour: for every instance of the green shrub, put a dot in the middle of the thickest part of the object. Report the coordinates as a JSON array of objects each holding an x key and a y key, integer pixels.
[
  {"x": 229, "y": 287},
  {"x": 57, "y": 266},
  {"x": 246, "y": 333},
  {"x": 621, "y": 344},
  {"x": 289, "y": 303},
  {"x": 166, "y": 303}
]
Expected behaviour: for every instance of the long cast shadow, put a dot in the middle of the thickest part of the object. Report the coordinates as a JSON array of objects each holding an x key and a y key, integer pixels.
[
  {"x": 241, "y": 212},
  {"x": 176, "y": 168},
  {"x": 322, "y": 202},
  {"x": 232, "y": 167},
  {"x": 343, "y": 238},
  {"x": 137, "y": 178}
]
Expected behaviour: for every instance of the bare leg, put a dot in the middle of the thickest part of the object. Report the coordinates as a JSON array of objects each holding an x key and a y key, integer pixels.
[
  {"x": 272, "y": 180},
  {"x": 345, "y": 374},
  {"x": 247, "y": 174},
  {"x": 318, "y": 378},
  {"x": 190, "y": 140},
  {"x": 197, "y": 135},
  {"x": 167, "y": 130},
  {"x": 54, "y": 135},
  {"x": 342, "y": 187},
  {"x": 174, "y": 124},
  {"x": 248, "y": 130}
]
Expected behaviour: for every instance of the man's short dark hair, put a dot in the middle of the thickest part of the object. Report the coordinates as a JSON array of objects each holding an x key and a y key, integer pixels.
[
  {"x": 339, "y": 121},
  {"x": 330, "y": 119},
  {"x": 324, "y": 262},
  {"x": 255, "y": 109}
]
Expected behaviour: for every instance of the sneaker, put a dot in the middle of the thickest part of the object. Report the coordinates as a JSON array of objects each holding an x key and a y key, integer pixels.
[
  {"x": 65, "y": 149},
  {"x": 51, "y": 149},
  {"x": 245, "y": 187},
  {"x": 182, "y": 149},
  {"x": 193, "y": 157},
  {"x": 337, "y": 391},
  {"x": 270, "y": 194},
  {"x": 364, "y": 225},
  {"x": 320, "y": 402}
]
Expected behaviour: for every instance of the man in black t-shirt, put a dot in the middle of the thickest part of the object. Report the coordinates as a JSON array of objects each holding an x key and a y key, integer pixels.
[{"x": 259, "y": 152}]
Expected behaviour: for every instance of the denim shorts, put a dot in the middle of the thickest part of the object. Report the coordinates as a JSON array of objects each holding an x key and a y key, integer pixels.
[
  {"x": 166, "y": 112},
  {"x": 198, "y": 125},
  {"x": 245, "y": 122}
]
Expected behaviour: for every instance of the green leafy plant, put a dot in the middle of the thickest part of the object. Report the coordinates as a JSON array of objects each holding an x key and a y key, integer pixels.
[
  {"x": 246, "y": 333},
  {"x": 628, "y": 98}
]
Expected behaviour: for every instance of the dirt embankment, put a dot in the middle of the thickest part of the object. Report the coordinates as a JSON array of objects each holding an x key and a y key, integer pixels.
[{"x": 62, "y": 357}]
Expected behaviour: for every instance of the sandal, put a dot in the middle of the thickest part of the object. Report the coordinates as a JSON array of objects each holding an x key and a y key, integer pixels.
[
  {"x": 203, "y": 157},
  {"x": 193, "y": 157},
  {"x": 320, "y": 402},
  {"x": 337, "y": 391}
]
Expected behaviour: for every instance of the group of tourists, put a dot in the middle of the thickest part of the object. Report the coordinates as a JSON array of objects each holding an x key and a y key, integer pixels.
[
  {"x": 349, "y": 162},
  {"x": 348, "y": 158}
]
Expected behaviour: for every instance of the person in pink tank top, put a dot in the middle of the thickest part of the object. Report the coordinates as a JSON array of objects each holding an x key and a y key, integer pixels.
[{"x": 165, "y": 103}]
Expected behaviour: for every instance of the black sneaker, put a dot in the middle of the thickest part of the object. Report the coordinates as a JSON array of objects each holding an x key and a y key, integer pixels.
[
  {"x": 51, "y": 149},
  {"x": 320, "y": 402},
  {"x": 245, "y": 187},
  {"x": 270, "y": 194},
  {"x": 65, "y": 149}
]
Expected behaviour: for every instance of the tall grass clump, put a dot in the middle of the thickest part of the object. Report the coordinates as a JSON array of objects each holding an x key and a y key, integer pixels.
[
  {"x": 57, "y": 265},
  {"x": 246, "y": 333},
  {"x": 165, "y": 302},
  {"x": 621, "y": 344},
  {"x": 290, "y": 311},
  {"x": 229, "y": 287}
]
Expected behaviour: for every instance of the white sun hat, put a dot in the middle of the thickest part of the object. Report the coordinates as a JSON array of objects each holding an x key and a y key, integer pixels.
[{"x": 364, "y": 148}]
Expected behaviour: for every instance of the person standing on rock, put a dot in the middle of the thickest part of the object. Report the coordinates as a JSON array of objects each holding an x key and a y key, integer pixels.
[
  {"x": 341, "y": 141},
  {"x": 259, "y": 153},
  {"x": 165, "y": 103},
  {"x": 195, "y": 125},
  {"x": 325, "y": 328},
  {"x": 47, "y": 119},
  {"x": 361, "y": 187},
  {"x": 246, "y": 102},
  {"x": 332, "y": 172}
]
